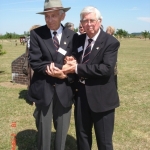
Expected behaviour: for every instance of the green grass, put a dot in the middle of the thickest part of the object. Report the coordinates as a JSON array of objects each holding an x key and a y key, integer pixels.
[{"x": 132, "y": 124}]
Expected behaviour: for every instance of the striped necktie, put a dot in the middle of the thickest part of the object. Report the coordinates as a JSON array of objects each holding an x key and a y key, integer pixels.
[
  {"x": 55, "y": 40},
  {"x": 87, "y": 52}
]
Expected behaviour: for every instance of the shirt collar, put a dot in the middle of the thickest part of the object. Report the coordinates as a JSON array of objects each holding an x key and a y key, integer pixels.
[
  {"x": 59, "y": 30},
  {"x": 95, "y": 37}
]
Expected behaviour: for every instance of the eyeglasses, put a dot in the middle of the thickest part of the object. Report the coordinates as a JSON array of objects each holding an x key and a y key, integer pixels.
[{"x": 91, "y": 21}]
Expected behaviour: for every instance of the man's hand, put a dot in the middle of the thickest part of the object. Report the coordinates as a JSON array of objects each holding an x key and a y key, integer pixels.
[
  {"x": 68, "y": 58},
  {"x": 69, "y": 67},
  {"x": 55, "y": 72}
]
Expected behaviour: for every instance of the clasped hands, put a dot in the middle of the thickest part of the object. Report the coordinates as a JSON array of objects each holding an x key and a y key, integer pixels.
[{"x": 68, "y": 67}]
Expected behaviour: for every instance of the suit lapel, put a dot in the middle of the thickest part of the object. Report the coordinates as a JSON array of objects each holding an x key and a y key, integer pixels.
[
  {"x": 47, "y": 39},
  {"x": 63, "y": 44},
  {"x": 82, "y": 42},
  {"x": 97, "y": 46}
]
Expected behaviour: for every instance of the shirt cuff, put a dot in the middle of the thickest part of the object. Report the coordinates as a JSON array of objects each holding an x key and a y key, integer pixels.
[{"x": 76, "y": 71}]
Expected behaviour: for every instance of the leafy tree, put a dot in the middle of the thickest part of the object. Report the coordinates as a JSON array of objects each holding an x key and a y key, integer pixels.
[
  {"x": 149, "y": 36},
  {"x": 8, "y": 35},
  {"x": 76, "y": 29},
  {"x": 121, "y": 33},
  {"x": 11, "y": 36},
  {"x": 145, "y": 34},
  {"x": 125, "y": 33},
  {"x": 26, "y": 33}
]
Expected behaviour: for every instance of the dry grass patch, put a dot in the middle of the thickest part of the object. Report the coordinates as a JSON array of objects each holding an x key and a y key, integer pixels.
[{"x": 12, "y": 85}]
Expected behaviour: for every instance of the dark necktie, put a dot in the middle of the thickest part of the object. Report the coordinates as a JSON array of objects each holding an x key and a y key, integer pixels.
[
  {"x": 87, "y": 52},
  {"x": 55, "y": 40}
]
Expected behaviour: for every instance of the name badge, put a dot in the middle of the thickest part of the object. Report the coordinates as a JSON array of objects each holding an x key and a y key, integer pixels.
[
  {"x": 80, "y": 49},
  {"x": 62, "y": 51}
]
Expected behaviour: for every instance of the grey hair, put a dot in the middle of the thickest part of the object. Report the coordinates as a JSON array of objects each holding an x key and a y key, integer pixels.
[
  {"x": 61, "y": 12},
  {"x": 69, "y": 25},
  {"x": 91, "y": 9}
]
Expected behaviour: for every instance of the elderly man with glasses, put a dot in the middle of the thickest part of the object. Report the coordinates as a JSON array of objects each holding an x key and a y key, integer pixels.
[{"x": 96, "y": 96}]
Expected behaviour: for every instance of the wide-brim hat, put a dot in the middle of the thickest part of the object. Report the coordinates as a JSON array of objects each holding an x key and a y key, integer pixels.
[{"x": 52, "y": 5}]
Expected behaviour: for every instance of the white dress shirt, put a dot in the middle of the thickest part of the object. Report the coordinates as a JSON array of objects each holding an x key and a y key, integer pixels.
[
  {"x": 59, "y": 33},
  {"x": 86, "y": 43}
]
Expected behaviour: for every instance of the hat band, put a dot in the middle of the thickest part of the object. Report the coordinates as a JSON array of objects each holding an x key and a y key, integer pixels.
[{"x": 54, "y": 8}]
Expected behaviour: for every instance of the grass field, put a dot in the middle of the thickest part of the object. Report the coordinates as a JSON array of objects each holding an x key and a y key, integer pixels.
[{"x": 132, "y": 125}]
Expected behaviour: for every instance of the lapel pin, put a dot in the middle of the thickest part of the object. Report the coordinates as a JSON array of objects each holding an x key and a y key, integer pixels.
[
  {"x": 97, "y": 48},
  {"x": 64, "y": 42}
]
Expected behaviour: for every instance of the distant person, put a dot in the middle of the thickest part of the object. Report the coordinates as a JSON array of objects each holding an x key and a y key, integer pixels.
[
  {"x": 111, "y": 30},
  {"x": 70, "y": 26},
  {"x": 30, "y": 71},
  {"x": 27, "y": 70},
  {"x": 80, "y": 29},
  {"x": 16, "y": 42}
]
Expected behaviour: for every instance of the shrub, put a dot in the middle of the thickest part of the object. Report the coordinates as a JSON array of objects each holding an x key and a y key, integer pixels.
[{"x": 1, "y": 51}]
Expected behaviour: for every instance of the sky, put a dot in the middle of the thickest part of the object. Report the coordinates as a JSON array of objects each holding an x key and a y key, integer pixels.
[{"x": 17, "y": 16}]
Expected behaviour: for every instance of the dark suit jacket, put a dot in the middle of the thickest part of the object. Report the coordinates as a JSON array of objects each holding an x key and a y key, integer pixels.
[
  {"x": 41, "y": 53},
  {"x": 99, "y": 72}
]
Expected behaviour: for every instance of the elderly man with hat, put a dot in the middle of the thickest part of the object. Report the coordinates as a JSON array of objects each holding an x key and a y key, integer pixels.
[{"x": 50, "y": 88}]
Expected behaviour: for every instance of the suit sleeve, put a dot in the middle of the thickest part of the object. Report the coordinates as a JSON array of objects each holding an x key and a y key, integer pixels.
[
  {"x": 105, "y": 67},
  {"x": 71, "y": 77},
  {"x": 35, "y": 55}
]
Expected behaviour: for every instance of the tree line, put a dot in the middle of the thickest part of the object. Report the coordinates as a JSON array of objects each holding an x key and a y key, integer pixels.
[
  {"x": 11, "y": 36},
  {"x": 120, "y": 33}
]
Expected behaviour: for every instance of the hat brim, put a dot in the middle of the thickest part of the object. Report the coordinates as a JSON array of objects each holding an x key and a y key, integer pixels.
[{"x": 64, "y": 9}]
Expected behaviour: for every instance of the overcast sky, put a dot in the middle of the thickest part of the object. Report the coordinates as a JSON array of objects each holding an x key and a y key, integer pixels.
[{"x": 130, "y": 15}]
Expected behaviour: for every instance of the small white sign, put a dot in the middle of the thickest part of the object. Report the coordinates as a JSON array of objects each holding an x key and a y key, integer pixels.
[
  {"x": 62, "y": 51},
  {"x": 80, "y": 49}
]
